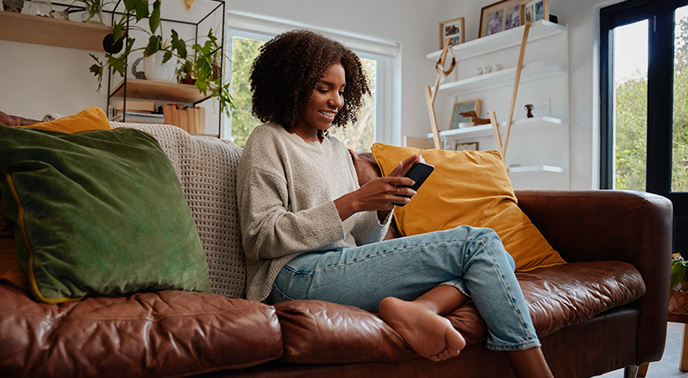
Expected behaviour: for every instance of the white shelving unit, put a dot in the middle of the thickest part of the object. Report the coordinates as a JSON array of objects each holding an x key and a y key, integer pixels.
[{"x": 538, "y": 153}]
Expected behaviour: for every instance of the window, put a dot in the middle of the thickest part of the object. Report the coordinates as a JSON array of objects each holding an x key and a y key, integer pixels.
[
  {"x": 376, "y": 120},
  {"x": 644, "y": 110}
]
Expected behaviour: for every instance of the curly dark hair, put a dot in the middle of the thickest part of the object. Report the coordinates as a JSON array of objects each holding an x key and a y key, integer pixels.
[{"x": 287, "y": 70}]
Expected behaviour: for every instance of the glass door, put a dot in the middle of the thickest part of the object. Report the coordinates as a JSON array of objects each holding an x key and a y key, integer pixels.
[{"x": 644, "y": 102}]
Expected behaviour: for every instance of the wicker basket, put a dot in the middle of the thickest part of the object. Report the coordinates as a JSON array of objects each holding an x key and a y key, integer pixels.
[{"x": 678, "y": 301}]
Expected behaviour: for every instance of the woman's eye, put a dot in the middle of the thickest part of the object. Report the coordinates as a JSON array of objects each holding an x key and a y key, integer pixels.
[{"x": 323, "y": 91}]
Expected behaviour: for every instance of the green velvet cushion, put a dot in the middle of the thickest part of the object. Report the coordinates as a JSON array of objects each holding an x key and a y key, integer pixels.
[{"x": 98, "y": 213}]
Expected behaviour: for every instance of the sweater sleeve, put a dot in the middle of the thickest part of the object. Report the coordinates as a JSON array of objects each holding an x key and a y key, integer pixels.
[
  {"x": 369, "y": 229},
  {"x": 270, "y": 231}
]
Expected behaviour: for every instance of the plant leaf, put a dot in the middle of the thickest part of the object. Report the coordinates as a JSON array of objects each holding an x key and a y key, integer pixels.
[
  {"x": 154, "y": 20},
  {"x": 154, "y": 44},
  {"x": 117, "y": 32},
  {"x": 679, "y": 269},
  {"x": 142, "y": 10},
  {"x": 167, "y": 56},
  {"x": 178, "y": 45},
  {"x": 130, "y": 5}
]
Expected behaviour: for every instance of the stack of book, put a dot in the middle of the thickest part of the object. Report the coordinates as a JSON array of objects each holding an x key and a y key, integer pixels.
[
  {"x": 137, "y": 112},
  {"x": 190, "y": 119}
]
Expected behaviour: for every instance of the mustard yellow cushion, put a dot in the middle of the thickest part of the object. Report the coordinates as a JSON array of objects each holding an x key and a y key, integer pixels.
[
  {"x": 468, "y": 188},
  {"x": 86, "y": 120}
]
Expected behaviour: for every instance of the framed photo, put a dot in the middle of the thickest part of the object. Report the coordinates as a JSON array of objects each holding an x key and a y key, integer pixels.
[
  {"x": 452, "y": 29},
  {"x": 463, "y": 107},
  {"x": 470, "y": 146},
  {"x": 500, "y": 16},
  {"x": 536, "y": 10}
]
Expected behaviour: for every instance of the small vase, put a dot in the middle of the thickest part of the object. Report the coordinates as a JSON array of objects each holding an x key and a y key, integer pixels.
[{"x": 155, "y": 70}]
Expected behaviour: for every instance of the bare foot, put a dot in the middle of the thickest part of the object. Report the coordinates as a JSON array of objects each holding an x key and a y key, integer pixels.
[{"x": 428, "y": 334}]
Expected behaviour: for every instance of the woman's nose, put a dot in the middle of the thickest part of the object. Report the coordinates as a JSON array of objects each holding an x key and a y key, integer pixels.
[{"x": 337, "y": 100}]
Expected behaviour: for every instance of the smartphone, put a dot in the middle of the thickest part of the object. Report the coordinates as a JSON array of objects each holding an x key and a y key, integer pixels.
[{"x": 419, "y": 172}]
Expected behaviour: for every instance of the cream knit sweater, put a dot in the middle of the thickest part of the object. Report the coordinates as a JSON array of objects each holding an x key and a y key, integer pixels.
[{"x": 286, "y": 190}]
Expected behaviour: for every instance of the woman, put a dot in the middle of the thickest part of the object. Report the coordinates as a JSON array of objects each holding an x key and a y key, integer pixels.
[{"x": 310, "y": 232}]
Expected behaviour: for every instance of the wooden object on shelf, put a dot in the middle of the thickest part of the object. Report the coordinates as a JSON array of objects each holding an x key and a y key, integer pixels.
[
  {"x": 158, "y": 90},
  {"x": 416, "y": 142},
  {"x": 493, "y": 118},
  {"x": 191, "y": 119},
  {"x": 136, "y": 106},
  {"x": 52, "y": 32},
  {"x": 431, "y": 94}
]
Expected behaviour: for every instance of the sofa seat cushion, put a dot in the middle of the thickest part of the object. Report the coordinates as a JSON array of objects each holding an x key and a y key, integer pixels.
[
  {"x": 324, "y": 332},
  {"x": 561, "y": 296},
  {"x": 168, "y": 333},
  {"x": 320, "y": 332}
]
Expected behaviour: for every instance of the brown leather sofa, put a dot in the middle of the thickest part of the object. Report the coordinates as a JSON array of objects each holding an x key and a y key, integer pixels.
[{"x": 604, "y": 310}]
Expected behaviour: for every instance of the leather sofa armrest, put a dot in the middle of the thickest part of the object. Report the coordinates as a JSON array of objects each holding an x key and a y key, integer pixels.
[{"x": 629, "y": 226}]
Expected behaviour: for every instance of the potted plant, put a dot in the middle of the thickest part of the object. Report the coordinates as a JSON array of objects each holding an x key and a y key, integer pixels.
[
  {"x": 201, "y": 66},
  {"x": 678, "y": 297},
  {"x": 93, "y": 9}
]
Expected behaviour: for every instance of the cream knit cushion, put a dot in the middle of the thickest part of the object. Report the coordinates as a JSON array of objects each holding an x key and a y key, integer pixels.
[{"x": 207, "y": 169}]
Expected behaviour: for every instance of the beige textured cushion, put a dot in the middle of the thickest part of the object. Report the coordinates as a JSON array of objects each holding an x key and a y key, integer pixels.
[{"x": 206, "y": 168}]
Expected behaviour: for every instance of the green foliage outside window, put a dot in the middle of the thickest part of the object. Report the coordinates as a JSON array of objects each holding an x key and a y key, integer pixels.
[
  {"x": 244, "y": 51},
  {"x": 631, "y": 124}
]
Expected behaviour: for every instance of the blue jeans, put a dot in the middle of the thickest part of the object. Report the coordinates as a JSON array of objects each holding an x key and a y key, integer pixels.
[{"x": 472, "y": 260}]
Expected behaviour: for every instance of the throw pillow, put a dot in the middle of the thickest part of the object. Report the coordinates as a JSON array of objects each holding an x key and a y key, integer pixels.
[
  {"x": 88, "y": 119},
  {"x": 468, "y": 188},
  {"x": 97, "y": 213}
]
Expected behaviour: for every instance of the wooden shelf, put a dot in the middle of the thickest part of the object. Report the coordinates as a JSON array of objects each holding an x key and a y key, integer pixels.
[
  {"x": 537, "y": 123},
  {"x": 495, "y": 42},
  {"x": 52, "y": 32},
  {"x": 536, "y": 169},
  {"x": 505, "y": 77},
  {"x": 159, "y": 90}
]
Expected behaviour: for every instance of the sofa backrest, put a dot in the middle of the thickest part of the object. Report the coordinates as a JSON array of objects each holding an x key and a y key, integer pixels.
[{"x": 207, "y": 170}]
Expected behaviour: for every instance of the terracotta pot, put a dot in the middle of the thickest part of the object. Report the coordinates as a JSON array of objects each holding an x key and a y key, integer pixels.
[{"x": 678, "y": 302}]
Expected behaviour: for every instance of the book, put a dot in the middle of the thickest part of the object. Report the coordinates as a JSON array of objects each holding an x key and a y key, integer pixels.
[
  {"x": 136, "y": 106},
  {"x": 138, "y": 117}
]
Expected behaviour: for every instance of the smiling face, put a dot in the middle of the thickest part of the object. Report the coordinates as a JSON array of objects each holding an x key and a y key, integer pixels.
[{"x": 327, "y": 99}]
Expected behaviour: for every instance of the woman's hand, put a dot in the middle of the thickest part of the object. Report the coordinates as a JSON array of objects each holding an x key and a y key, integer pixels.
[{"x": 381, "y": 193}]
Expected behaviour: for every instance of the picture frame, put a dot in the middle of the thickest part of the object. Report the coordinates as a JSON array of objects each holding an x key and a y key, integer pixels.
[
  {"x": 536, "y": 10},
  {"x": 470, "y": 146},
  {"x": 500, "y": 16},
  {"x": 462, "y": 107},
  {"x": 453, "y": 29}
]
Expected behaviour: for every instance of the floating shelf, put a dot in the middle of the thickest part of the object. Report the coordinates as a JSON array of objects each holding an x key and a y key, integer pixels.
[
  {"x": 495, "y": 42},
  {"x": 531, "y": 71},
  {"x": 159, "y": 90},
  {"x": 536, "y": 123},
  {"x": 25, "y": 28},
  {"x": 536, "y": 169}
]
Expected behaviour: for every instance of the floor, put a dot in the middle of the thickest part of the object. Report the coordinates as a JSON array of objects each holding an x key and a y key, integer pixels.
[{"x": 667, "y": 367}]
